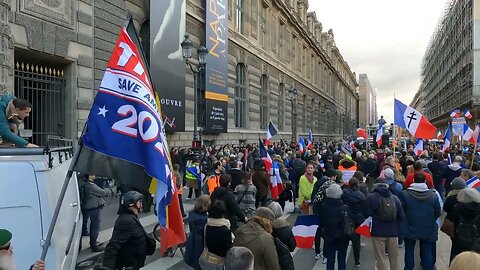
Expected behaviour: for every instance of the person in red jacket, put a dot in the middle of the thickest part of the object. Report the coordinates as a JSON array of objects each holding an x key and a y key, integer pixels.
[{"x": 417, "y": 166}]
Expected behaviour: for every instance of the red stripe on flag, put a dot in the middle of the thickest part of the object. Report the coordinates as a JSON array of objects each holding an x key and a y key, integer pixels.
[
  {"x": 425, "y": 129},
  {"x": 304, "y": 242},
  {"x": 174, "y": 233}
]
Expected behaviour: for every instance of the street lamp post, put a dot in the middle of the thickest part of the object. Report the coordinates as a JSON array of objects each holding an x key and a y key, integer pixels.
[
  {"x": 202, "y": 52},
  {"x": 292, "y": 96}
]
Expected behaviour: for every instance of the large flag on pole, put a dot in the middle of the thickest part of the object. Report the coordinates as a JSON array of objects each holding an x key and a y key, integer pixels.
[
  {"x": 310, "y": 140},
  {"x": 301, "y": 144},
  {"x": 418, "y": 147},
  {"x": 267, "y": 160},
  {"x": 379, "y": 135},
  {"x": 446, "y": 139},
  {"x": 271, "y": 131},
  {"x": 361, "y": 133},
  {"x": 125, "y": 138},
  {"x": 411, "y": 119}
]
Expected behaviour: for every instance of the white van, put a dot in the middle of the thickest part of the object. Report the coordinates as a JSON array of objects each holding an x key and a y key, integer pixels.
[{"x": 30, "y": 183}]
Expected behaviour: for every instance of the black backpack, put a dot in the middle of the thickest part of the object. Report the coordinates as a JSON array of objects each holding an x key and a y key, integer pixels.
[
  {"x": 467, "y": 232},
  {"x": 387, "y": 211},
  {"x": 299, "y": 166}
]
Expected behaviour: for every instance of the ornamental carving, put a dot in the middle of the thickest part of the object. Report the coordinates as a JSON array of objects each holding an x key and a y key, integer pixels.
[{"x": 56, "y": 11}]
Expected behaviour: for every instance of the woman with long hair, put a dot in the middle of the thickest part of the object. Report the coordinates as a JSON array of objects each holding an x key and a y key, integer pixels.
[{"x": 245, "y": 193}]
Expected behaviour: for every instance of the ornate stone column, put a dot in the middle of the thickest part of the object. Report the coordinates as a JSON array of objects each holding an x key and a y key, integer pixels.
[{"x": 6, "y": 49}]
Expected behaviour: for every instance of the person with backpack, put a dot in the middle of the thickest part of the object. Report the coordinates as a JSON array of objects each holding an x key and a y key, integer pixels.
[
  {"x": 465, "y": 217},
  {"x": 387, "y": 213},
  {"x": 422, "y": 208},
  {"x": 395, "y": 187},
  {"x": 225, "y": 194},
  {"x": 333, "y": 214}
]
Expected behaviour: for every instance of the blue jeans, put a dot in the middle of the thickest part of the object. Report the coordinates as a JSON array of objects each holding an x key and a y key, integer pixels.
[
  {"x": 339, "y": 247},
  {"x": 95, "y": 219},
  {"x": 426, "y": 254}
]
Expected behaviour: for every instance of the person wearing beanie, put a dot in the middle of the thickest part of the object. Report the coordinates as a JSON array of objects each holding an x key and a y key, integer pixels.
[
  {"x": 283, "y": 232},
  {"x": 467, "y": 211},
  {"x": 7, "y": 261},
  {"x": 457, "y": 184},
  {"x": 256, "y": 235},
  {"x": 331, "y": 227},
  {"x": 394, "y": 186},
  {"x": 384, "y": 231}
]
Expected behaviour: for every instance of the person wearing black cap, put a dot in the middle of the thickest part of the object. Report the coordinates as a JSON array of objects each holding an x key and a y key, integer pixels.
[{"x": 130, "y": 243}]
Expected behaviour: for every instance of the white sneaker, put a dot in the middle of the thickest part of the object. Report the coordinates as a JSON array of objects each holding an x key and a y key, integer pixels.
[
  {"x": 324, "y": 260},
  {"x": 362, "y": 245},
  {"x": 400, "y": 246},
  {"x": 318, "y": 256}
]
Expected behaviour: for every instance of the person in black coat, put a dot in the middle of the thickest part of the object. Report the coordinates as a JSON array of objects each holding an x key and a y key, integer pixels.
[
  {"x": 197, "y": 219},
  {"x": 218, "y": 236},
  {"x": 331, "y": 227},
  {"x": 237, "y": 175},
  {"x": 370, "y": 170},
  {"x": 282, "y": 232},
  {"x": 355, "y": 200},
  {"x": 234, "y": 213},
  {"x": 130, "y": 243},
  {"x": 437, "y": 167}
]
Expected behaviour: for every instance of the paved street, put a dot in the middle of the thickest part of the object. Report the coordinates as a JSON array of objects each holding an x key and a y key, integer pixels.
[{"x": 303, "y": 258}]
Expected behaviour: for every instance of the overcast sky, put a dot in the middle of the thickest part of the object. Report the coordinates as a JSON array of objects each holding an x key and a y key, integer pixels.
[{"x": 385, "y": 39}]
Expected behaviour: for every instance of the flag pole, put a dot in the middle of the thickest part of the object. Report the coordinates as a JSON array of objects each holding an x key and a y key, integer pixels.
[{"x": 61, "y": 196}]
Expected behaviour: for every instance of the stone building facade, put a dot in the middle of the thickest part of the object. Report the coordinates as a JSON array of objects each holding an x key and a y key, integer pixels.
[
  {"x": 54, "y": 53},
  {"x": 367, "y": 109}
]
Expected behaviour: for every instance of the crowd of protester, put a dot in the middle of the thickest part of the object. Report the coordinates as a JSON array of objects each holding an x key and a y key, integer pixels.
[{"x": 403, "y": 193}]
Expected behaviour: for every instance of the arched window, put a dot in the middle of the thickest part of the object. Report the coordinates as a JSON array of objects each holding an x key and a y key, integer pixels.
[
  {"x": 240, "y": 96},
  {"x": 263, "y": 101},
  {"x": 281, "y": 106}
]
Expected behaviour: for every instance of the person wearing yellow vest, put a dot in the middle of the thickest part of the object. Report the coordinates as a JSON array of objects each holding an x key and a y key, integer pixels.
[
  {"x": 213, "y": 181},
  {"x": 348, "y": 167},
  {"x": 193, "y": 178}
]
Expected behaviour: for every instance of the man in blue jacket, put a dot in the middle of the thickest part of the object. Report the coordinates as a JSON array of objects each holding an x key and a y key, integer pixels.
[
  {"x": 387, "y": 213},
  {"x": 12, "y": 112},
  {"x": 422, "y": 208}
]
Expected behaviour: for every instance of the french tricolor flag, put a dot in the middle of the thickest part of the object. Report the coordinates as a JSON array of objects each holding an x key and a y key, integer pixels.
[
  {"x": 468, "y": 114},
  {"x": 412, "y": 120},
  {"x": 455, "y": 113},
  {"x": 446, "y": 140},
  {"x": 267, "y": 160},
  {"x": 275, "y": 185},
  {"x": 271, "y": 131},
  {"x": 362, "y": 133},
  {"x": 439, "y": 135},
  {"x": 365, "y": 228},
  {"x": 418, "y": 147},
  {"x": 467, "y": 133},
  {"x": 304, "y": 230},
  {"x": 473, "y": 183},
  {"x": 379, "y": 135},
  {"x": 301, "y": 144},
  {"x": 310, "y": 140}
]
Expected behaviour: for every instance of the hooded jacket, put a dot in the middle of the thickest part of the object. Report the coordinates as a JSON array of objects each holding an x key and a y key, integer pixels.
[
  {"x": 453, "y": 170},
  {"x": 237, "y": 177},
  {"x": 283, "y": 232},
  {"x": 355, "y": 200},
  {"x": 331, "y": 219},
  {"x": 254, "y": 237},
  {"x": 370, "y": 167},
  {"x": 381, "y": 228},
  {"x": 194, "y": 247},
  {"x": 5, "y": 132},
  {"x": 422, "y": 209}
]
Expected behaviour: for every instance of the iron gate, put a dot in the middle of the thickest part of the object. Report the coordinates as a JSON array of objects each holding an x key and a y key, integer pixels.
[{"x": 44, "y": 87}]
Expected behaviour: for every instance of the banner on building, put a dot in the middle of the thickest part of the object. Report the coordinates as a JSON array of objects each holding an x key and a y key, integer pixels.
[
  {"x": 167, "y": 66},
  {"x": 457, "y": 125},
  {"x": 216, "y": 73}
]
